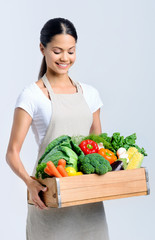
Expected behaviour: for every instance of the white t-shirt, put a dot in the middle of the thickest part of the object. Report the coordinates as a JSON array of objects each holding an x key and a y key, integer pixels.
[{"x": 39, "y": 107}]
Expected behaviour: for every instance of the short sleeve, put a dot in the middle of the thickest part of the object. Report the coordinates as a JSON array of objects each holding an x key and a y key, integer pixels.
[
  {"x": 92, "y": 97},
  {"x": 25, "y": 101}
]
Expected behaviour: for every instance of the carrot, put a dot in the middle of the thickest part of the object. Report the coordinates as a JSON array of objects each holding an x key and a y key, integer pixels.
[
  {"x": 62, "y": 171},
  {"x": 62, "y": 162},
  {"x": 47, "y": 170},
  {"x": 53, "y": 169}
]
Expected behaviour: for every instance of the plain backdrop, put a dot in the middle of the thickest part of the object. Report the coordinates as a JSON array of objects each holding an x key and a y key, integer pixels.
[{"x": 115, "y": 54}]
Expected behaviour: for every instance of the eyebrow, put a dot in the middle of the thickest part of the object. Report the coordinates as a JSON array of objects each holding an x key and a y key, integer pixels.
[{"x": 61, "y": 48}]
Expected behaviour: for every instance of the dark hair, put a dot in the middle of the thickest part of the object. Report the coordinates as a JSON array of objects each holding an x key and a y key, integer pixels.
[{"x": 50, "y": 29}]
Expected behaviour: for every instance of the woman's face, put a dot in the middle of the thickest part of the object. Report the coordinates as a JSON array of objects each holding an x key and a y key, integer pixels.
[{"x": 60, "y": 53}]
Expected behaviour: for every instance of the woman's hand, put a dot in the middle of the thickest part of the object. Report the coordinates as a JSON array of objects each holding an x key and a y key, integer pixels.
[{"x": 34, "y": 188}]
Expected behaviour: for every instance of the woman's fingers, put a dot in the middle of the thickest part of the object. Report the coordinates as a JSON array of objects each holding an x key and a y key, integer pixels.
[
  {"x": 40, "y": 203},
  {"x": 34, "y": 188}
]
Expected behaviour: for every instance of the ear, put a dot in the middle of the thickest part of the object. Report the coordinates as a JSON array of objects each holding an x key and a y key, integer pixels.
[{"x": 42, "y": 48}]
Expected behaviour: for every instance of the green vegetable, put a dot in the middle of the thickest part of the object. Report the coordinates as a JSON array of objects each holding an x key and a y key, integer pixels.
[
  {"x": 54, "y": 155},
  {"x": 40, "y": 171},
  {"x": 87, "y": 168},
  {"x": 141, "y": 150},
  {"x": 72, "y": 157},
  {"x": 116, "y": 141},
  {"x": 76, "y": 148},
  {"x": 62, "y": 140},
  {"x": 77, "y": 139},
  {"x": 102, "y": 169},
  {"x": 130, "y": 140},
  {"x": 60, "y": 148},
  {"x": 105, "y": 136},
  {"x": 93, "y": 163}
]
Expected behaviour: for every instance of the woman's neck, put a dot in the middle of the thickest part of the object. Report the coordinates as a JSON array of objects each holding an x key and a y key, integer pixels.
[{"x": 61, "y": 80}]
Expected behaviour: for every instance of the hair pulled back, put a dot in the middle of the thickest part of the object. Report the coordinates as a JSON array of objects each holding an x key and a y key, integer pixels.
[{"x": 51, "y": 28}]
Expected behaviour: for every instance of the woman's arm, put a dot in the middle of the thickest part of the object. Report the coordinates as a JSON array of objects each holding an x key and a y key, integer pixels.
[
  {"x": 21, "y": 124},
  {"x": 96, "y": 125}
]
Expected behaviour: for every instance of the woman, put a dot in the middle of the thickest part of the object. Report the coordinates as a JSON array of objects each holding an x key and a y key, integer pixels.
[{"x": 53, "y": 106}]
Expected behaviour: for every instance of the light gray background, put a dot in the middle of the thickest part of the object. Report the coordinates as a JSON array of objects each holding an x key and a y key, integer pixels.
[{"x": 115, "y": 54}]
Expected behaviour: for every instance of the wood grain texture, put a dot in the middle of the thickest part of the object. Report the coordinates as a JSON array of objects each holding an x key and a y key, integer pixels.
[
  {"x": 50, "y": 197},
  {"x": 95, "y": 179},
  {"x": 90, "y": 188},
  {"x": 67, "y": 204}
]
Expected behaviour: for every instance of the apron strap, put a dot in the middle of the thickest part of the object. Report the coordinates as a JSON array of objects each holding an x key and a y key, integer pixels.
[
  {"x": 77, "y": 85},
  {"x": 48, "y": 86},
  {"x": 50, "y": 90}
]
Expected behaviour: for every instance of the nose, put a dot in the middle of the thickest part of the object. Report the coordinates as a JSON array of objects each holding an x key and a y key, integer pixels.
[{"x": 64, "y": 57}]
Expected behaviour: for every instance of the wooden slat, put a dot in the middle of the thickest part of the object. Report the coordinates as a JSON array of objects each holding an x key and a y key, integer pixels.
[
  {"x": 94, "y": 179},
  {"x": 67, "y": 204},
  {"x": 103, "y": 190}
]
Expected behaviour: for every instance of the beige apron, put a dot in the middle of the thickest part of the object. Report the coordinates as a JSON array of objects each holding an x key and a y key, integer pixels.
[{"x": 71, "y": 116}]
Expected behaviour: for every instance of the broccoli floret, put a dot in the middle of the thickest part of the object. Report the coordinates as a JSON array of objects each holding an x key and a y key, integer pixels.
[
  {"x": 101, "y": 169},
  {"x": 87, "y": 168},
  {"x": 100, "y": 159},
  {"x": 81, "y": 160},
  {"x": 106, "y": 163},
  {"x": 94, "y": 161}
]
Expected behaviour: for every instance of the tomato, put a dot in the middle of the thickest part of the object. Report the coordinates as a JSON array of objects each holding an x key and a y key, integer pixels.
[{"x": 108, "y": 155}]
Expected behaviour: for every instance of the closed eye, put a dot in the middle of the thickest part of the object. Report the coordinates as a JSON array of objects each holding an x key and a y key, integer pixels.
[{"x": 69, "y": 53}]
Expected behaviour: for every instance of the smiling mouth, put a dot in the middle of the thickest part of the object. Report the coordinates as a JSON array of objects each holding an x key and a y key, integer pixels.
[{"x": 62, "y": 64}]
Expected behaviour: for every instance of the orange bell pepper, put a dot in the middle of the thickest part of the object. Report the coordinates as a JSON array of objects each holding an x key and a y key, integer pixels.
[{"x": 108, "y": 155}]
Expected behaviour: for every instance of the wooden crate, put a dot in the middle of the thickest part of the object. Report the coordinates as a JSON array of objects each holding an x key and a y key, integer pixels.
[{"x": 89, "y": 188}]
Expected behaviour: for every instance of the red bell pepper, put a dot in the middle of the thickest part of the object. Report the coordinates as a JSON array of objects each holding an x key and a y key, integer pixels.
[{"x": 89, "y": 146}]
